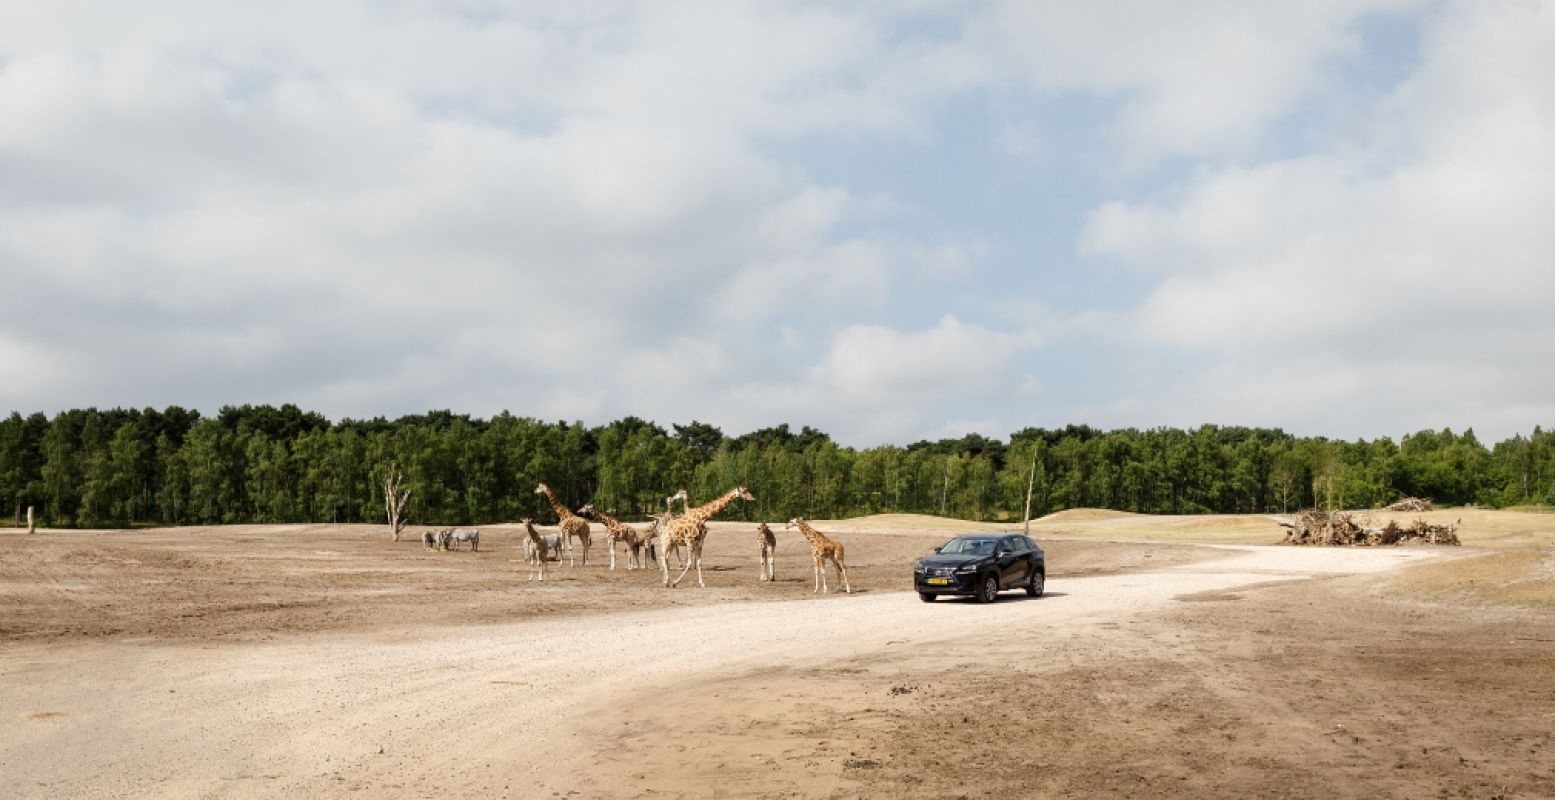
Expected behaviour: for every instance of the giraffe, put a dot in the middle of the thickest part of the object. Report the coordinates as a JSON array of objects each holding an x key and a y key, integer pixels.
[
  {"x": 614, "y": 531},
  {"x": 571, "y": 525},
  {"x": 660, "y": 520},
  {"x": 767, "y": 540},
  {"x": 539, "y": 549},
  {"x": 690, "y": 529},
  {"x": 656, "y": 523},
  {"x": 822, "y": 548}
]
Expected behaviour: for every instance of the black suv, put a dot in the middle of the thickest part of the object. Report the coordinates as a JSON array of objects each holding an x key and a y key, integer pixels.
[{"x": 981, "y": 564}]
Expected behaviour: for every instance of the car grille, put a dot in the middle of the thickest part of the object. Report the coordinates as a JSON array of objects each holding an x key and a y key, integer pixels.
[{"x": 941, "y": 571}]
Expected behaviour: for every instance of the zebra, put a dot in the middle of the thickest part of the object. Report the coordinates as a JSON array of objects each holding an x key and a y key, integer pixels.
[{"x": 471, "y": 535}]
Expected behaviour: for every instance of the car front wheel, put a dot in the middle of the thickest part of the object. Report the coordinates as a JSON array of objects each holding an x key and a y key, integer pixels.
[
  {"x": 1037, "y": 584},
  {"x": 988, "y": 590},
  {"x": 927, "y": 597}
]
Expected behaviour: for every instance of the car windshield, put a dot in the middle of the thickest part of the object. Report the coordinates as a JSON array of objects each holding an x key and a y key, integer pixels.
[{"x": 969, "y": 547}]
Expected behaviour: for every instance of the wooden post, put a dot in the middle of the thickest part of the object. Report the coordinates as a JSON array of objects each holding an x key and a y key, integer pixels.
[
  {"x": 31, "y": 526},
  {"x": 944, "y": 493},
  {"x": 1031, "y": 483}
]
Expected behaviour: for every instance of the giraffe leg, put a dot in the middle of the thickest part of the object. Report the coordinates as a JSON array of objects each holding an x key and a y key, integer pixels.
[
  {"x": 664, "y": 560},
  {"x": 686, "y": 567},
  {"x": 842, "y": 569},
  {"x": 610, "y": 542},
  {"x": 696, "y": 553},
  {"x": 818, "y": 576}
]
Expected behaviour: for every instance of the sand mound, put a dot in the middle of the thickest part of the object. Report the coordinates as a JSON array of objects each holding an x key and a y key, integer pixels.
[
  {"x": 892, "y": 523},
  {"x": 1083, "y": 514}
]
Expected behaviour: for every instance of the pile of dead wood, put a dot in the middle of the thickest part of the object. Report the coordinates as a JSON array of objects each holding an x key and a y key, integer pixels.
[
  {"x": 1412, "y": 504},
  {"x": 1330, "y": 528}
]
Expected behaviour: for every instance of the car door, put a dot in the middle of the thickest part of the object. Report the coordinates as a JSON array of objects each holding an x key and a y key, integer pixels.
[
  {"x": 1014, "y": 562},
  {"x": 1034, "y": 557}
]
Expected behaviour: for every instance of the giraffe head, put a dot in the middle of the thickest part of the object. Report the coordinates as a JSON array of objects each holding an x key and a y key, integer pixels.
[
  {"x": 743, "y": 493},
  {"x": 587, "y": 509},
  {"x": 680, "y": 495},
  {"x": 542, "y": 489},
  {"x": 794, "y": 523},
  {"x": 526, "y": 522}
]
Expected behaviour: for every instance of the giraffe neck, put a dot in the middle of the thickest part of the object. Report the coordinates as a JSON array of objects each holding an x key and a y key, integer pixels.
[
  {"x": 610, "y": 522},
  {"x": 810, "y": 533},
  {"x": 561, "y": 510},
  {"x": 533, "y": 534},
  {"x": 705, "y": 512}
]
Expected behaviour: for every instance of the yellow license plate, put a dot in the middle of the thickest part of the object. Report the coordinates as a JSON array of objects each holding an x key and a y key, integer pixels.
[{"x": 940, "y": 581}]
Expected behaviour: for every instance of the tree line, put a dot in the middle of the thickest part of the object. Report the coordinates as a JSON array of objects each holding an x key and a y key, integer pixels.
[{"x": 122, "y": 467}]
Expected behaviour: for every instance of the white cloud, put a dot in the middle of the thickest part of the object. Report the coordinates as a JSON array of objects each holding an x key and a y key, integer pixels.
[
  {"x": 1191, "y": 79},
  {"x": 1411, "y": 266},
  {"x": 883, "y": 381},
  {"x": 284, "y": 204}
]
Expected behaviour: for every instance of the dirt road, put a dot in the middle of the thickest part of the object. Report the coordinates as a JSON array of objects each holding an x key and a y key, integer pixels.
[{"x": 696, "y": 701}]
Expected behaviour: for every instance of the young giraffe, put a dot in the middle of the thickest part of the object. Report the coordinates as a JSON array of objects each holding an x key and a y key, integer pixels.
[
  {"x": 767, "y": 540},
  {"x": 689, "y": 530},
  {"x": 614, "y": 531},
  {"x": 641, "y": 544},
  {"x": 539, "y": 549},
  {"x": 571, "y": 525},
  {"x": 823, "y": 548}
]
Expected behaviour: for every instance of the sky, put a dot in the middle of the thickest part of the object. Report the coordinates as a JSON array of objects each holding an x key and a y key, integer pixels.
[{"x": 887, "y": 220}]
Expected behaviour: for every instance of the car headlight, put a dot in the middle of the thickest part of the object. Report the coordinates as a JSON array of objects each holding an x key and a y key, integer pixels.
[{"x": 962, "y": 570}]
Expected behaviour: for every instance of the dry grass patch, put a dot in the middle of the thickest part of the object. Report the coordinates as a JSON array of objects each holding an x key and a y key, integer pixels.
[
  {"x": 1481, "y": 527},
  {"x": 1515, "y": 578},
  {"x": 1216, "y": 528}
]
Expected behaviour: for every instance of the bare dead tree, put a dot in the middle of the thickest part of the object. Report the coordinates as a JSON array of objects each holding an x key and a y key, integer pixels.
[
  {"x": 394, "y": 499},
  {"x": 31, "y": 526}
]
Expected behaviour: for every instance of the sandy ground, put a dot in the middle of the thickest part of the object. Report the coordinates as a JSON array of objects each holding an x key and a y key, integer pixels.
[{"x": 329, "y": 662}]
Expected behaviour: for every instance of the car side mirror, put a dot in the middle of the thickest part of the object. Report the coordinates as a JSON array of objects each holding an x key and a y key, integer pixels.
[
  {"x": 936, "y": 549},
  {"x": 1003, "y": 552}
]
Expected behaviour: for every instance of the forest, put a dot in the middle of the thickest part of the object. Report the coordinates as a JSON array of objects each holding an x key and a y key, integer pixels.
[{"x": 262, "y": 463}]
